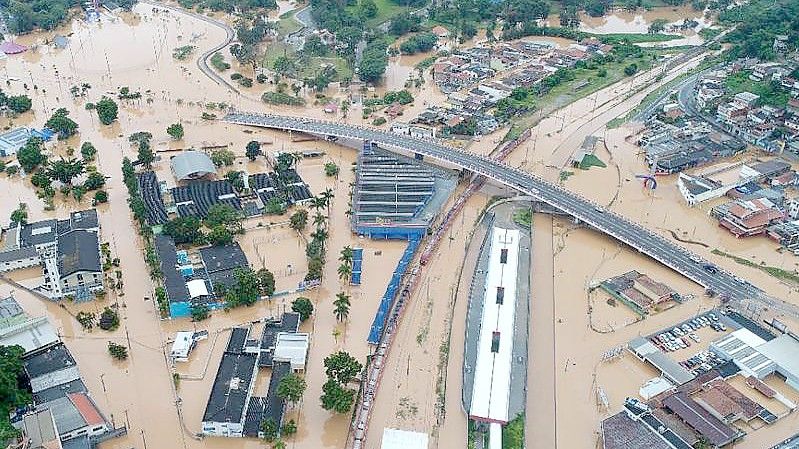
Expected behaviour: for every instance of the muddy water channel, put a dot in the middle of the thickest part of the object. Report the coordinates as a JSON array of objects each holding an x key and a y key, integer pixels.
[{"x": 135, "y": 50}]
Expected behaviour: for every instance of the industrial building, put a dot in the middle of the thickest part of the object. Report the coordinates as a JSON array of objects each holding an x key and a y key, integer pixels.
[
  {"x": 192, "y": 165},
  {"x": 492, "y": 372}
]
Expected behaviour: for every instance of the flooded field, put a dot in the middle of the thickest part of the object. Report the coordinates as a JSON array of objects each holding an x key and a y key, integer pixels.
[
  {"x": 639, "y": 21},
  {"x": 135, "y": 50}
]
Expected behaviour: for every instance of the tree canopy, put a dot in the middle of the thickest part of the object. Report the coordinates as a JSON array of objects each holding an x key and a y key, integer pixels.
[
  {"x": 62, "y": 124},
  {"x": 107, "y": 110},
  {"x": 11, "y": 395}
]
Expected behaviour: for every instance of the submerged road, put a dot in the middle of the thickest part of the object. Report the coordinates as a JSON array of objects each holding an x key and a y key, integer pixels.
[{"x": 636, "y": 236}]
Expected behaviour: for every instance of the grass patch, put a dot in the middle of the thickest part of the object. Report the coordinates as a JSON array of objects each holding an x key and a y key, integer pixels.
[
  {"x": 523, "y": 217},
  {"x": 564, "y": 175},
  {"x": 288, "y": 24},
  {"x": 386, "y": 9},
  {"x": 308, "y": 66},
  {"x": 769, "y": 95},
  {"x": 585, "y": 83},
  {"x": 635, "y": 38},
  {"x": 513, "y": 433},
  {"x": 590, "y": 160},
  {"x": 775, "y": 272}
]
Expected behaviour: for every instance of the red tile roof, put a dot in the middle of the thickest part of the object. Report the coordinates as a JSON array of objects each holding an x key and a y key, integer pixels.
[{"x": 86, "y": 408}]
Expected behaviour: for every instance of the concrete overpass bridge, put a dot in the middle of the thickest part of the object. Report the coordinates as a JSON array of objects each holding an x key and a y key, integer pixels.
[
  {"x": 636, "y": 236},
  {"x": 659, "y": 248}
]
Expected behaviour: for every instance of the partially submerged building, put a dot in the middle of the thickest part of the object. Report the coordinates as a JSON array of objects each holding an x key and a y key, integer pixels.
[
  {"x": 232, "y": 410},
  {"x": 67, "y": 250},
  {"x": 639, "y": 292},
  {"x": 18, "y": 328}
]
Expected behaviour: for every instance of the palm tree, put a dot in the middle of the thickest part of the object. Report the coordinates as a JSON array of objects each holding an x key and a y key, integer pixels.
[
  {"x": 346, "y": 255},
  {"x": 345, "y": 106},
  {"x": 64, "y": 170},
  {"x": 319, "y": 220},
  {"x": 342, "y": 304},
  {"x": 327, "y": 196},
  {"x": 317, "y": 203},
  {"x": 320, "y": 234},
  {"x": 344, "y": 271}
]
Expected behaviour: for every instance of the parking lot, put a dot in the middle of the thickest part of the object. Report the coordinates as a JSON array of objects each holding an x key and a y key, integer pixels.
[{"x": 687, "y": 342}]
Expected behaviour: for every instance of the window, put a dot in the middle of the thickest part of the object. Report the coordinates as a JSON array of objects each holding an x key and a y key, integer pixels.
[
  {"x": 80, "y": 276},
  {"x": 503, "y": 255},
  {"x": 500, "y": 295},
  {"x": 495, "y": 342}
]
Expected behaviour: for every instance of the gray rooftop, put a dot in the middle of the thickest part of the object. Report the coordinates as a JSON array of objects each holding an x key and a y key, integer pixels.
[
  {"x": 78, "y": 251},
  {"x": 192, "y": 164}
]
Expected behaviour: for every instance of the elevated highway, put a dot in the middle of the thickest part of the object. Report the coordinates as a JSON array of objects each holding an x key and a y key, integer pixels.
[{"x": 636, "y": 236}]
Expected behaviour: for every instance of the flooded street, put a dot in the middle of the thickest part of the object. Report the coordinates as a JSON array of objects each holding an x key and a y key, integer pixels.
[
  {"x": 421, "y": 387},
  {"x": 136, "y": 51}
]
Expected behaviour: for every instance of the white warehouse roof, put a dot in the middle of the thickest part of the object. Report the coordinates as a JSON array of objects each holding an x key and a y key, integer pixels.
[
  {"x": 491, "y": 391},
  {"x": 403, "y": 439}
]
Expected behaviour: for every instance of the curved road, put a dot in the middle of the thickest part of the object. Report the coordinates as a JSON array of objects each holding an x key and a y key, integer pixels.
[
  {"x": 636, "y": 236},
  {"x": 202, "y": 61}
]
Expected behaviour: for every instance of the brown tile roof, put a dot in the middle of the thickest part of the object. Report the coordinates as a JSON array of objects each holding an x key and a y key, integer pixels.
[{"x": 86, "y": 408}]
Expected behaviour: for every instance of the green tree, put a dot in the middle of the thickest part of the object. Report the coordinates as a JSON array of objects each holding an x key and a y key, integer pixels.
[
  {"x": 373, "y": 61},
  {"x": 118, "y": 352},
  {"x": 175, "y": 131},
  {"x": 65, "y": 170},
  {"x": 94, "y": 181},
  {"x": 282, "y": 65},
  {"x": 30, "y": 155},
  {"x": 145, "y": 154},
  {"x": 314, "y": 46},
  {"x": 291, "y": 388},
  {"x": 269, "y": 429},
  {"x": 19, "y": 103},
  {"x": 220, "y": 236},
  {"x": 337, "y": 398},
  {"x": 253, "y": 150},
  {"x": 266, "y": 282},
  {"x": 289, "y": 428},
  {"x": 331, "y": 169},
  {"x": 62, "y": 124},
  {"x": 342, "y": 367},
  {"x": 107, "y": 110},
  {"x": 100, "y": 196},
  {"x": 20, "y": 214},
  {"x": 368, "y": 8},
  {"x": 199, "y": 312},
  {"x": 631, "y": 69},
  {"x": 344, "y": 272},
  {"x": 299, "y": 220},
  {"x": 11, "y": 395},
  {"x": 222, "y": 157},
  {"x": 224, "y": 215},
  {"x": 184, "y": 230},
  {"x": 658, "y": 25},
  {"x": 88, "y": 151},
  {"x": 303, "y": 306}
]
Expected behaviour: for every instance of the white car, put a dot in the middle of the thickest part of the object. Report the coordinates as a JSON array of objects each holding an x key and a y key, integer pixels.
[{"x": 695, "y": 338}]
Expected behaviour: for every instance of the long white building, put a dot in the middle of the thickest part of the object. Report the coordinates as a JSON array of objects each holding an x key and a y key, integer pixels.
[{"x": 492, "y": 375}]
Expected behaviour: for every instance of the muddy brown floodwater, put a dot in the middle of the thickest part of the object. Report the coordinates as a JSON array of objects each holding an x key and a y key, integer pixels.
[{"x": 135, "y": 50}]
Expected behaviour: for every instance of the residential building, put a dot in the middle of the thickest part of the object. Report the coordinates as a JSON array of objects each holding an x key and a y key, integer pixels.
[
  {"x": 745, "y": 218},
  {"x": 68, "y": 251}
]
